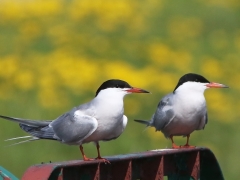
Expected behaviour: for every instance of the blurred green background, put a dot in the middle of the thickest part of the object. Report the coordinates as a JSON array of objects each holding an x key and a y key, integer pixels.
[{"x": 54, "y": 55}]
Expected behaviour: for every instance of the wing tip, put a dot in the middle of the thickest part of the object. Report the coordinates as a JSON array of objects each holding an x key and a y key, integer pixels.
[{"x": 142, "y": 122}]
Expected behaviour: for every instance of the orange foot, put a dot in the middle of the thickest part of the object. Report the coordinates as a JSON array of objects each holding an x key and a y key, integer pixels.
[
  {"x": 103, "y": 159},
  {"x": 174, "y": 146},
  {"x": 87, "y": 159},
  {"x": 187, "y": 146}
]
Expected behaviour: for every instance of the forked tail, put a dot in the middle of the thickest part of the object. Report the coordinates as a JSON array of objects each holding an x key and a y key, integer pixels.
[
  {"x": 37, "y": 129},
  {"x": 143, "y": 122}
]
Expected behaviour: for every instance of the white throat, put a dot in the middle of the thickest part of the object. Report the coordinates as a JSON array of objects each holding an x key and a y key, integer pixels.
[
  {"x": 189, "y": 98},
  {"x": 110, "y": 101},
  {"x": 115, "y": 93},
  {"x": 191, "y": 87}
]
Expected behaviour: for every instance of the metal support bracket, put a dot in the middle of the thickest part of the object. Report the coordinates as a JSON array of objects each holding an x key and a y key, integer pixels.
[{"x": 193, "y": 164}]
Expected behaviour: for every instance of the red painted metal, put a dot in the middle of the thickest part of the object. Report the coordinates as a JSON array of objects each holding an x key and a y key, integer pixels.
[
  {"x": 195, "y": 166},
  {"x": 151, "y": 165}
]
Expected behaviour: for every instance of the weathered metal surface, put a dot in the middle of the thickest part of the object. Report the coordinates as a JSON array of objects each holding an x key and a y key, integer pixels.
[
  {"x": 196, "y": 163},
  {"x": 6, "y": 175}
]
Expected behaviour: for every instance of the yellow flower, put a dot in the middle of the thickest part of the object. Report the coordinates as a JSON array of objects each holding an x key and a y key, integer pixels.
[
  {"x": 211, "y": 67},
  {"x": 166, "y": 58},
  {"x": 17, "y": 10},
  {"x": 181, "y": 28},
  {"x": 219, "y": 39},
  {"x": 30, "y": 29},
  {"x": 160, "y": 54},
  {"x": 8, "y": 66},
  {"x": 24, "y": 80}
]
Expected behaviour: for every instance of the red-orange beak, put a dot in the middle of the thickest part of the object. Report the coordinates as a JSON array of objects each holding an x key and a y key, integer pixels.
[
  {"x": 216, "y": 85},
  {"x": 136, "y": 90}
]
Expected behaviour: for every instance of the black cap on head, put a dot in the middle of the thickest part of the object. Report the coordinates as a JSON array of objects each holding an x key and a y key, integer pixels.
[
  {"x": 191, "y": 77},
  {"x": 113, "y": 83}
]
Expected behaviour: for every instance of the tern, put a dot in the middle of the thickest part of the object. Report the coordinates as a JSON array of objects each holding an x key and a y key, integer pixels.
[
  {"x": 184, "y": 110},
  {"x": 101, "y": 119}
]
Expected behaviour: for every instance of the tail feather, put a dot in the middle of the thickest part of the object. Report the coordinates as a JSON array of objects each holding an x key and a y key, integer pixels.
[
  {"x": 37, "y": 129},
  {"x": 143, "y": 122},
  {"x": 39, "y": 132},
  {"x": 34, "y": 123},
  {"x": 22, "y": 137},
  {"x": 28, "y": 140}
]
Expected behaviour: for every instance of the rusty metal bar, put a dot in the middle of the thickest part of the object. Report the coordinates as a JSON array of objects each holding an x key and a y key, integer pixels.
[{"x": 196, "y": 163}]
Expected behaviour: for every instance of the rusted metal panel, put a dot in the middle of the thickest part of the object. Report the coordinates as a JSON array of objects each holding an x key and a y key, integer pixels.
[
  {"x": 152, "y": 169},
  {"x": 151, "y": 165},
  {"x": 42, "y": 171}
]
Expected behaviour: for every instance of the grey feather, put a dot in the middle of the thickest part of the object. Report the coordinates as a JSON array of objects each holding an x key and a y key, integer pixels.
[
  {"x": 206, "y": 118},
  {"x": 162, "y": 116},
  {"x": 40, "y": 132},
  {"x": 60, "y": 129},
  {"x": 83, "y": 125},
  {"x": 34, "y": 127},
  {"x": 164, "y": 113},
  {"x": 22, "y": 137},
  {"x": 34, "y": 123},
  {"x": 142, "y": 122},
  {"x": 202, "y": 122},
  {"x": 29, "y": 140}
]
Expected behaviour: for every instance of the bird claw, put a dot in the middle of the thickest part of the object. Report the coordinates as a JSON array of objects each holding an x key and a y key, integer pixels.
[
  {"x": 174, "y": 146},
  {"x": 103, "y": 159},
  {"x": 88, "y": 159},
  {"x": 97, "y": 158},
  {"x": 187, "y": 146}
]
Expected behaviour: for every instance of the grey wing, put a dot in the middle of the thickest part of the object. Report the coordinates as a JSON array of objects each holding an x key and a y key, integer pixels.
[
  {"x": 203, "y": 122},
  {"x": 206, "y": 118},
  {"x": 164, "y": 113},
  {"x": 74, "y": 126}
]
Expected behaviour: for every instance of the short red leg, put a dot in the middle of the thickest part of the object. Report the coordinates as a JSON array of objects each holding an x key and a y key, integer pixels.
[
  {"x": 174, "y": 146},
  {"x": 187, "y": 144},
  {"x": 99, "y": 156},
  {"x": 84, "y": 156}
]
